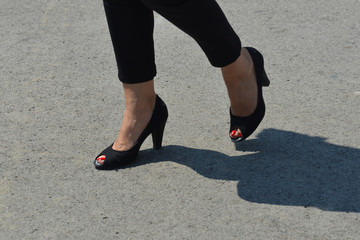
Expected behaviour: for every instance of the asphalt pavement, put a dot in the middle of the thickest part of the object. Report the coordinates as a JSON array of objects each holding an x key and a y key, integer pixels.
[{"x": 296, "y": 177}]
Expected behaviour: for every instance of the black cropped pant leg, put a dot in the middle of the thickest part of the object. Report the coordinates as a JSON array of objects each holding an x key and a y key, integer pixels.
[{"x": 131, "y": 24}]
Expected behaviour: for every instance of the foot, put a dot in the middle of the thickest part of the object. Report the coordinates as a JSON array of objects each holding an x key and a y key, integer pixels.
[
  {"x": 240, "y": 79},
  {"x": 138, "y": 112},
  {"x": 113, "y": 159}
]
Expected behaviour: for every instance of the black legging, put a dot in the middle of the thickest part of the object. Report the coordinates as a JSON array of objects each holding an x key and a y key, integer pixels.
[{"x": 131, "y": 24}]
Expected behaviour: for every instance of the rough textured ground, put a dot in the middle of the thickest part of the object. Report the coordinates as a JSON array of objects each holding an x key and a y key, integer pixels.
[{"x": 297, "y": 177}]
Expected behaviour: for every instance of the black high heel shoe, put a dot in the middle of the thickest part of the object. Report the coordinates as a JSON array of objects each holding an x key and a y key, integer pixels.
[
  {"x": 247, "y": 125},
  {"x": 115, "y": 159}
]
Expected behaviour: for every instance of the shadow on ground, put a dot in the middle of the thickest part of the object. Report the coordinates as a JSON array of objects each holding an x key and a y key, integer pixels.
[{"x": 280, "y": 168}]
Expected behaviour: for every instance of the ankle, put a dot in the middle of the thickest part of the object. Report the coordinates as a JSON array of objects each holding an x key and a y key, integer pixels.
[
  {"x": 140, "y": 106},
  {"x": 139, "y": 93}
]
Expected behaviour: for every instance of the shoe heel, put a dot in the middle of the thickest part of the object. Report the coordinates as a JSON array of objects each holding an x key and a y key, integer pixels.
[
  {"x": 157, "y": 136},
  {"x": 265, "y": 80}
]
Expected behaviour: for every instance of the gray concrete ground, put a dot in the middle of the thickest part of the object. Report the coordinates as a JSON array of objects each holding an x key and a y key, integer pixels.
[{"x": 297, "y": 177}]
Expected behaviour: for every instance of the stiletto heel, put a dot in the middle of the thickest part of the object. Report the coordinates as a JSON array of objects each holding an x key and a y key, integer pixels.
[
  {"x": 157, "y": 136},
  {"x": 115, "y": 159},
  {"x": 247, "y": 125}
]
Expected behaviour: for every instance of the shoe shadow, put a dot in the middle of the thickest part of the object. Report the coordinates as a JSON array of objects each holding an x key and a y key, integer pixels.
[{"x": 285, "y": 168}]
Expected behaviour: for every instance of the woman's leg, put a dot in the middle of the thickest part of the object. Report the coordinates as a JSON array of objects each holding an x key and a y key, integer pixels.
[
  {"x": 205, "y": 22},
  {"x": 131, "y": 29},
  {"x": 240, "y": 81}
]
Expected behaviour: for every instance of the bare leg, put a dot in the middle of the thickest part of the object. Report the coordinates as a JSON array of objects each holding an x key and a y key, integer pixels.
[
  {"x": 240, "y": 81},
  {"x": 139, "y": 105}
]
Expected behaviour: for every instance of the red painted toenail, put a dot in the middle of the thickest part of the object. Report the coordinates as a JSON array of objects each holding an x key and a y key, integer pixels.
[
  {"x": 100, "y": 160},
  {"x": 233, "y": 132}
]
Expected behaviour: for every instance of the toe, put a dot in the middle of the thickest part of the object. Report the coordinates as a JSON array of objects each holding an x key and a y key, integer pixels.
[
  {"x": 236, "y": 133},
  {"x": 100, "y": 160}
]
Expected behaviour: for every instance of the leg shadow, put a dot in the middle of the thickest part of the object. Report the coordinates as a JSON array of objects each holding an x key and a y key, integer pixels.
[{"x": 284, "y": 168}]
